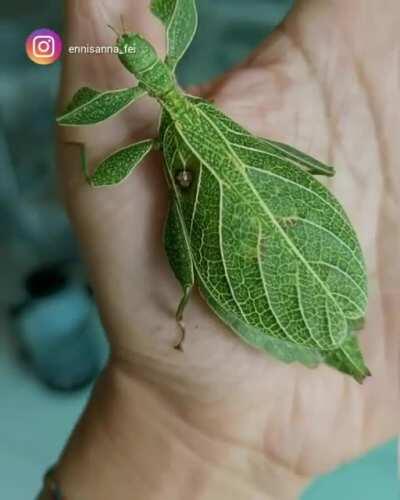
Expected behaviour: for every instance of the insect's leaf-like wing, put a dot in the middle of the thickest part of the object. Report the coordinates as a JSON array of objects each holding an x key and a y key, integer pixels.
[
  {"x": 310, "y": 164},
  {"x": 116, "y": 167},
  {"x": 271, "y": 246},
  {"x": 89, "y": 106},
  {"x": 274, "y": 177},
  {"x": 180, "y": 20},
  {"x": 348, "y": 359},
  {"x": 276, "y": 150},
  {"x": 279, "y": 348}
]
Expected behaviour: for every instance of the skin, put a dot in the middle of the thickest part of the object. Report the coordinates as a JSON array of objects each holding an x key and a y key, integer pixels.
[{"x": 221, "y": 420}]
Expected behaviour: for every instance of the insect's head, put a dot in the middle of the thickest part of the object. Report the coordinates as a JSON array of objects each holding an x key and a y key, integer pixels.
[{"x": 135, "y": 52}]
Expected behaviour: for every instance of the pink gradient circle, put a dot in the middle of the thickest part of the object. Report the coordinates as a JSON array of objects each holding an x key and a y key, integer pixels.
[{"x": 44, "y": 46}]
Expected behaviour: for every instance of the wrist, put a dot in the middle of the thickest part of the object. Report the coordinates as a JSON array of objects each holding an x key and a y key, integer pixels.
[{"x": 133, "y": 438}]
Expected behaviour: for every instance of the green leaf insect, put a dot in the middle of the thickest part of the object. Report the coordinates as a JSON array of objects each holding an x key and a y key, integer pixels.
[{"x": 270, "y": 249}]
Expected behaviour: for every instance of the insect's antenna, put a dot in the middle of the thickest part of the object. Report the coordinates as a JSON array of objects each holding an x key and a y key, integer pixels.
[
  {"x": 104, "y": 12},
  {"x": 123, "y": 24},
  {"x": 114, "y": 30}
]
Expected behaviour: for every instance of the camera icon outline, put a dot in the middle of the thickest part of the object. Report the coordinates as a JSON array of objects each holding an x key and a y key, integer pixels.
[{"x": 49, "y": 40}]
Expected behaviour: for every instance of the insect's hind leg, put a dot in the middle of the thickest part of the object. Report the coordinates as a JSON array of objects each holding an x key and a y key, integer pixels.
[
  {"x": 84, "y": 161},
  {"x": 179, "y": 256},
  {"x": 179, "y": 316}
]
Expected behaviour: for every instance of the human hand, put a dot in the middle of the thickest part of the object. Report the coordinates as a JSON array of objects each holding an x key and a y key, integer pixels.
[{"x": 323, "y": 83}]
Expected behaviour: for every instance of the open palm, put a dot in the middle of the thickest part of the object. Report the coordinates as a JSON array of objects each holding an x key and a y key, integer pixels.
[{"x": 322, "y": 83}]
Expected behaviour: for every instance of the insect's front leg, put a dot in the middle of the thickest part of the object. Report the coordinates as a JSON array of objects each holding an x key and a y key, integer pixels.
[{"x": 178, "y": 252}]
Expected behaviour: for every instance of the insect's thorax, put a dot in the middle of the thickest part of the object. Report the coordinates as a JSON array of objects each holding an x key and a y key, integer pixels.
[
  {"x": 141, "y": 59},
  {"x": 157, "y": 79},
  {"x": 176, "y": 103}
]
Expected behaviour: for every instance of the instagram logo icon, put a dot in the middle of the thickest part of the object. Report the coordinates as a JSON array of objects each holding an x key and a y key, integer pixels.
[{"x": 43, "y": 46}]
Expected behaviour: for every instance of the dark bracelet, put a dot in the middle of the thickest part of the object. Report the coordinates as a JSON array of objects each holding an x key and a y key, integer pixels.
[{"x": 51, "y": 487}]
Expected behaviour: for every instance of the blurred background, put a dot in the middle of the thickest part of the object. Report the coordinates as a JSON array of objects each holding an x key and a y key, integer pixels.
[{"x": 52, "y": 345}]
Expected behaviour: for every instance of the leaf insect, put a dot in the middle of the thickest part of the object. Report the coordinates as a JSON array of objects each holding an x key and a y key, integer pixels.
[{"x": 270, "y": 249}]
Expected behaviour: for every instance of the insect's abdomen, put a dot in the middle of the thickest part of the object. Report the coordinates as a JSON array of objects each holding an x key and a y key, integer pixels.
[
  {"x": 294, "y": 274},
  {"x": 201, "y": 208}
]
